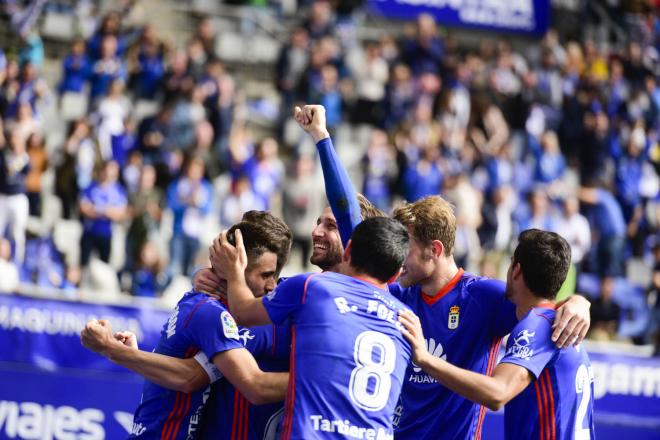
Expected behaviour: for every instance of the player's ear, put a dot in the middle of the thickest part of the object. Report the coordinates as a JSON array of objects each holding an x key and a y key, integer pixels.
[
  {"x": 437, "y": 248},
  {"x": 516, "y": 270},
  {"x": 346, "y": 257}
]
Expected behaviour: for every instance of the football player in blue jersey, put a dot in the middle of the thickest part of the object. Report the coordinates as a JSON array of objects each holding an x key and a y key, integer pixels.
[
  {"x": 201, "y": 325},
  {"x": 347, "y": 363},
  {"x": 463, "y": 316},
  {"x": 546, "y": 391}
]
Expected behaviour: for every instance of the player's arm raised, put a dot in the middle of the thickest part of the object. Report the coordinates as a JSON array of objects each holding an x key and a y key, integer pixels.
[
  {"x": 240, "y": 368},
  {"x": 494, "y": 392},
  {"x": 185, "y": 375},
  {"x": 247, "y": 310},
  {"x": 338, "y": 187}
]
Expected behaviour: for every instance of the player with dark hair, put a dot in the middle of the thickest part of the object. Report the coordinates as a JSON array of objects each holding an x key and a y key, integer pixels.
[
  {"x": 202, "y": 326},
  {"x": 547, "y": 392},
  {"x": 347, "y": 361}
]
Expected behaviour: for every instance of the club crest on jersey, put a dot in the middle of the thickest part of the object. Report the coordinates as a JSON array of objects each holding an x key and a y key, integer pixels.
[
  {"x": 453, "y": 317},
  {"x": 229, "y": 327}
]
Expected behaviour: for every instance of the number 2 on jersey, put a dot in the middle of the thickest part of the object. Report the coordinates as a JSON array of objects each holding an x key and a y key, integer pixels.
[
  {"x": 375, "y": 358},
  {"x": 583, "y": 390}
]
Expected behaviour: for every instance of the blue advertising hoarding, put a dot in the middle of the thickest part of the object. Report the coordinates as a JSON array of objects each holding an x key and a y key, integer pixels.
[
  {"x": 529, "y": 17},
  {"x": 51, "y": 387}
]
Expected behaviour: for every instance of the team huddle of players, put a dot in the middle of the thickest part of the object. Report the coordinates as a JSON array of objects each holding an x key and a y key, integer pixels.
[{"x": 391, "y": 340}]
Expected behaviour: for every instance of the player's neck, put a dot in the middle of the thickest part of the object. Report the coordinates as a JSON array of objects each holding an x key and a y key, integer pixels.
[
  {"x": 352, "y": 272},
  {"x": 442, "y": 276},
  {"x": 530, "y": 301}
]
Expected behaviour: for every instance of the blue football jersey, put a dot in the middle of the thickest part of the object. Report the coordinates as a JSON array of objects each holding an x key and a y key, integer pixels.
[
  {"x": 463, "y": 324},
  {"x": 348, "y": 356},
  {"x": 228, "y": 415},
  {"x": 558, "y": 404},
  {"x": 199, "y": 322}
]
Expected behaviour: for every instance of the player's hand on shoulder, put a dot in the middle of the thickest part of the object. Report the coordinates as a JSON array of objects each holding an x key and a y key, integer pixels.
[
  {"x": 412, "y": 331},
  {"x": 97, "y": 336},
  {"x": 572, "y": 321},
  {"x": 311, "y": 118}
]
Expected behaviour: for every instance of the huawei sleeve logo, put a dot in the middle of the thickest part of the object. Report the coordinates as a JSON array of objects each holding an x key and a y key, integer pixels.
[{"x": 435, "y": 349}]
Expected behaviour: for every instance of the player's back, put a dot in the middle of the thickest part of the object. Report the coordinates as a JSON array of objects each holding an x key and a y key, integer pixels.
[
  {"x": 198, "y": 323},
  {"x": 559, "y": 404},
  {"x": 349, "y": 361}
]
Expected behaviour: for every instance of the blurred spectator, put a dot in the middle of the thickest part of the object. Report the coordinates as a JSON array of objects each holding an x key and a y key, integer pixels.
[
  {"x": 206, "y": 34},
  {"x": 24, "y": 125},
  {"x": 550, "y": 163},
  {"x": 113, "y": 109},
  {"x": 605, "y": 313},
  {"x": 628, "y": 179},
  {"x": 177, "y": 80},
  {"x": 108, "y": 68},
  {"x": 44, "y": 263},
  {"x": 14, "y": 204},
  {"x": 8, "y": 269},
  {"x": 497, "y": 229},
  {"x": 424, "y": 177},
  {"x": 75, "y": 69},
  {"x": 189, "y": 198},
  {"x": 326, "y": 92},
  {"x": 75, "y": 166},
  {"x": 606, "y": 218},
  {"x": 265, "y": 170},
  {"x": 38, "y": 165},
  {"x": 370, "y": 72},
  {"x": 595, "y": 146},
  {"x": 145, "y": 211},
  {"x": 399, "y": 96},
  {"x": 101, "y": 204},
  {"x": 290, "y": 66},
  {"x": 425, "y": 52},
  {"x": 379, "y": 170},
  {"x": 23, "y": 87},
  {"x": 241, "y": 199},
  {"x": 540, "y": 216},
  {"x": 320, "y": 22},
  {"x": 488, "y": 130},
  {"x": 574, "y": 227},
  {"x": 110, "y": 27},
  {"x": 153, "y": 138},
  {"x": 196, "y": 58},
  {"x": 148, "y": 277},
  {"x": 148, "y": 65},
  {"x": 301, "y": 204},
  {"x": 468, "y": 201}
]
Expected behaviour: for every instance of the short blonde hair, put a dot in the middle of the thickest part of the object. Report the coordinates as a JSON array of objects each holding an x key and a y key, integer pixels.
[
  {"x": 368, "y": 209},
  {"x": 428, "y": 219}
]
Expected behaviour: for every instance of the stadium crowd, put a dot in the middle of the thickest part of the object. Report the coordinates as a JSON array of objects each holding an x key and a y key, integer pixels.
[{"x": 561, "y": 136}]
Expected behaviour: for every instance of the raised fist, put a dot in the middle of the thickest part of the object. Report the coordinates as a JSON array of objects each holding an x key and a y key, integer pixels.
[{"x": 312, "y": 119}]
